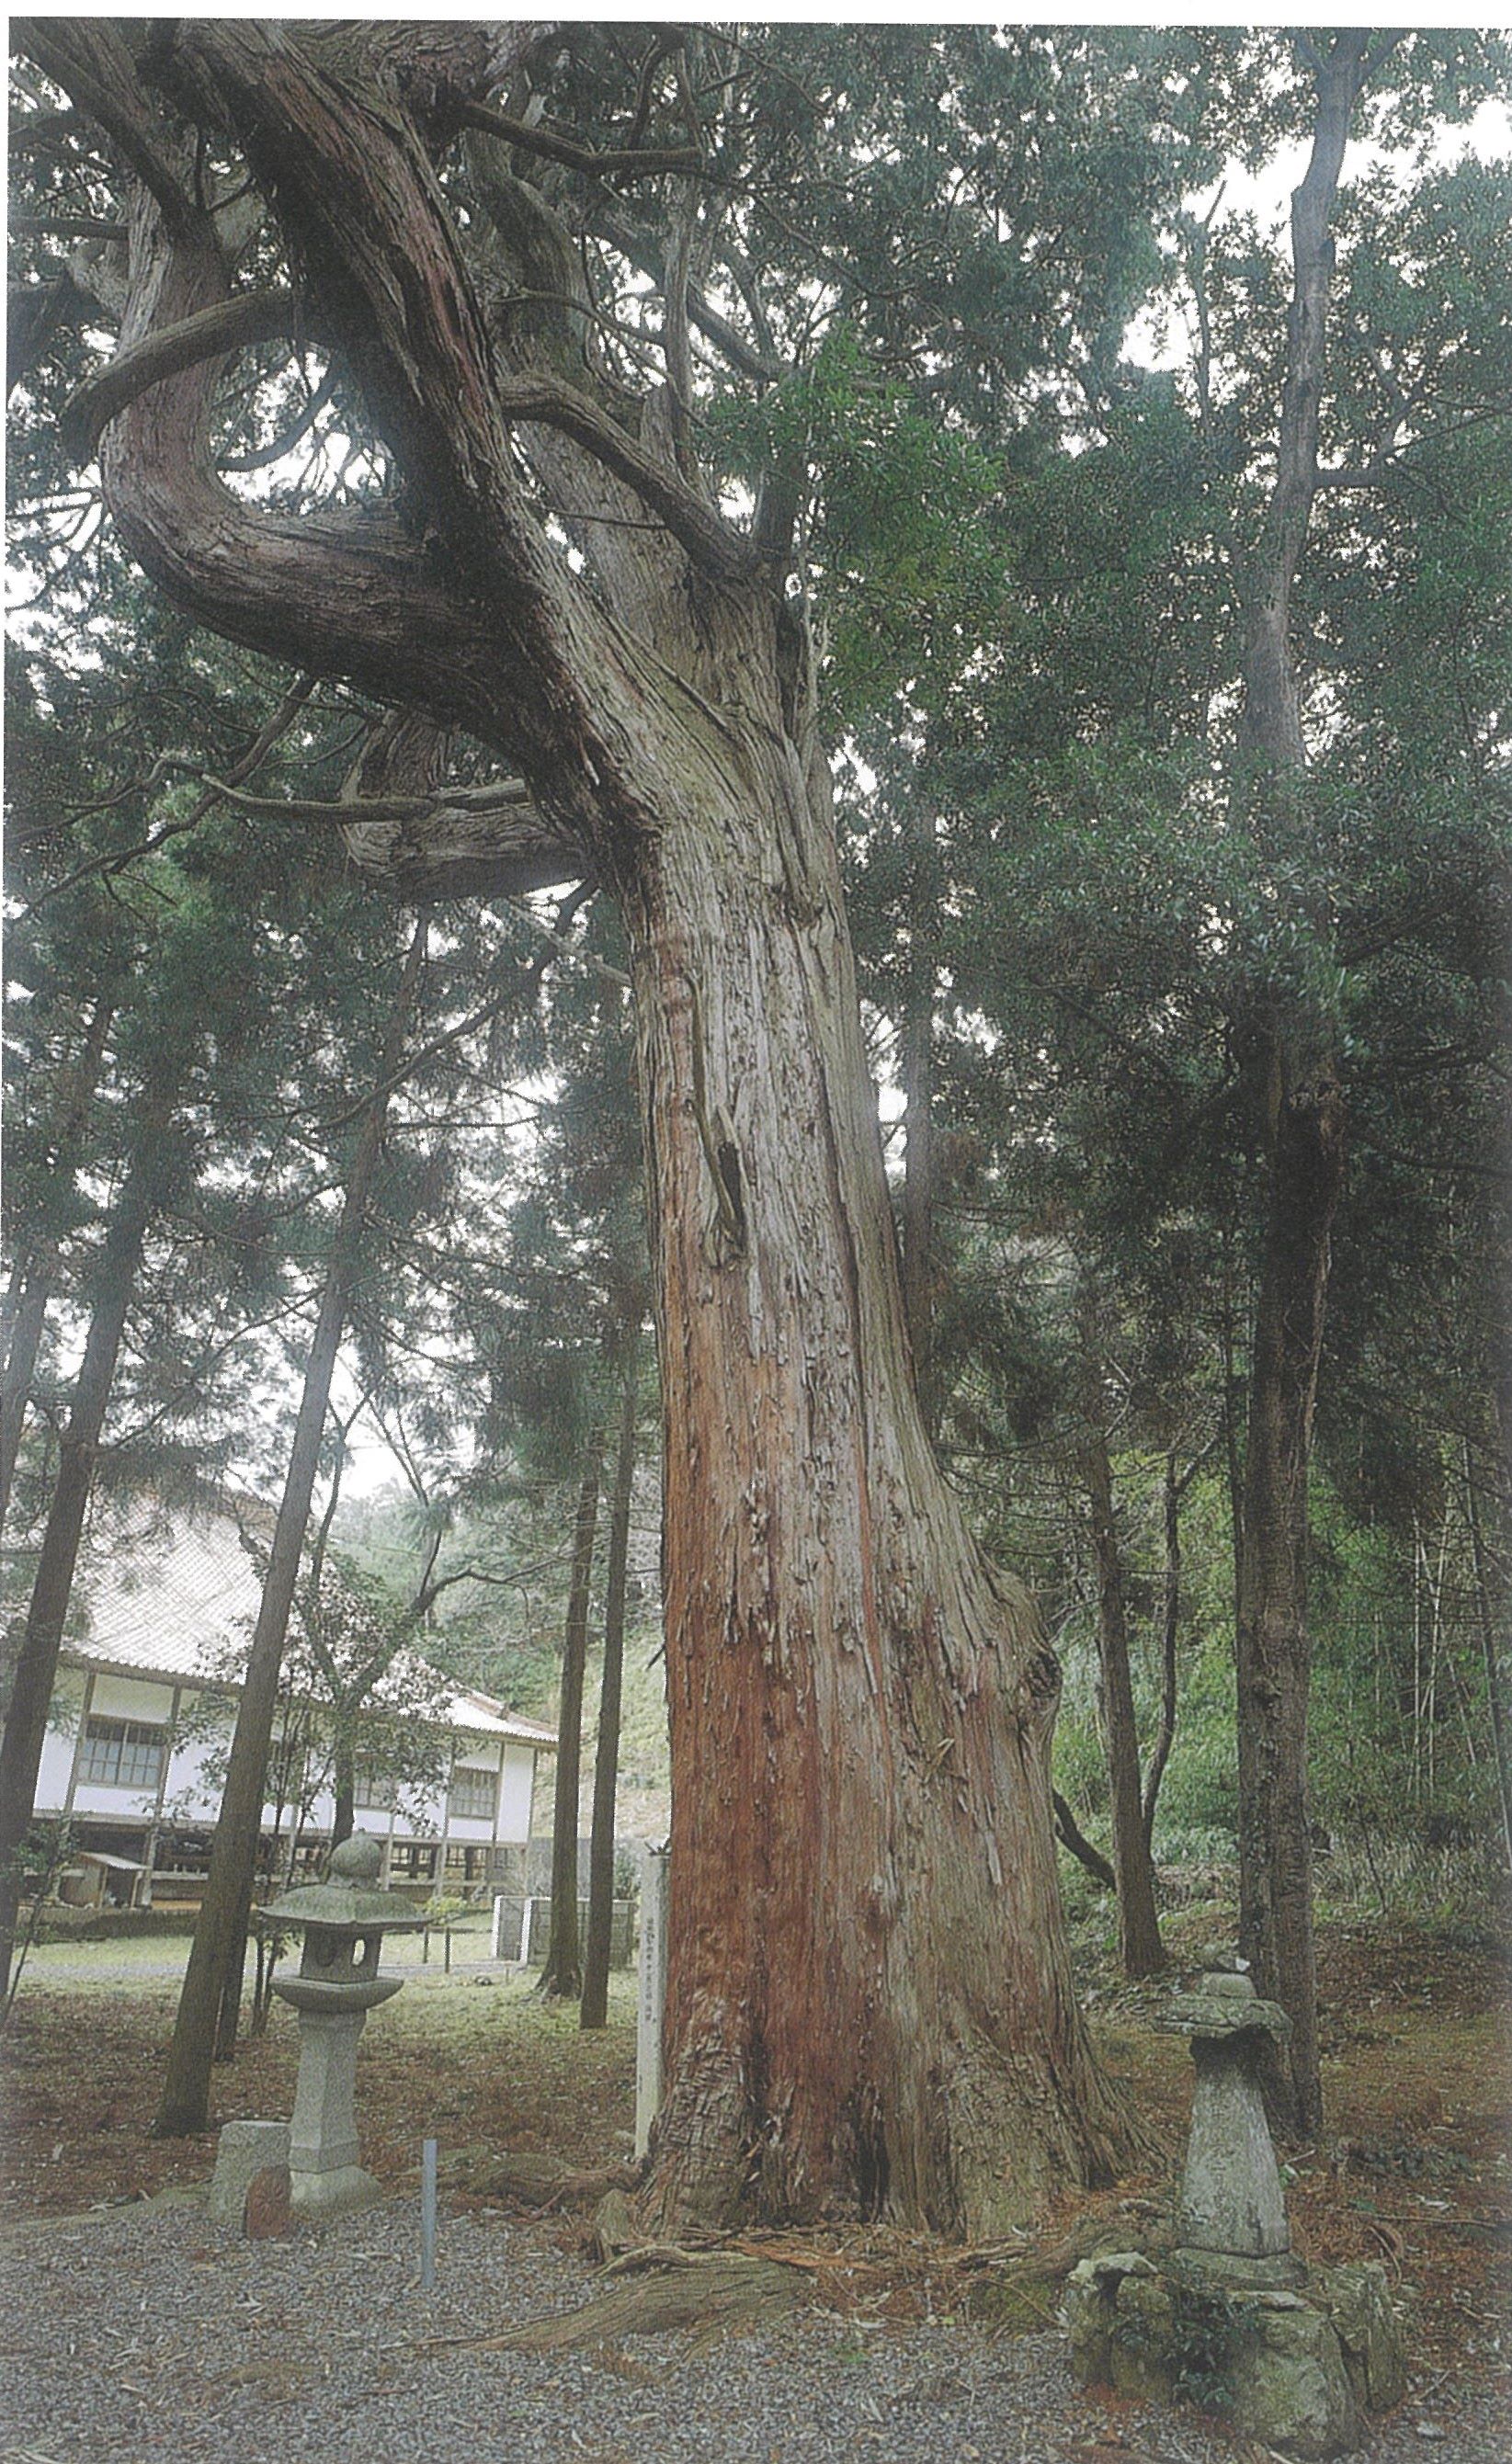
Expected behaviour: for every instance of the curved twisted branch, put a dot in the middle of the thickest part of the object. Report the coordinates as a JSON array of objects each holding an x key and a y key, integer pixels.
[
  {"x": 228, "y": 324},
  {"x": 458, "y": 841}
]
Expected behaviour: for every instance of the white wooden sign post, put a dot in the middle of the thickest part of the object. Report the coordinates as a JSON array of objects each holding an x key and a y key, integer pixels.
[{"x": 652, "y": 1994}]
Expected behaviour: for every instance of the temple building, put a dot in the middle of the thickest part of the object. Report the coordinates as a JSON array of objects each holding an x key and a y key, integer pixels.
[{"x": 144, "y": 1705}]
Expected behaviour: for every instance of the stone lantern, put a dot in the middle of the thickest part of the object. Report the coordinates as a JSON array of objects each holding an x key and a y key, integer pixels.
[
  {"x": 343, "y": 1921},
  {"x": 1231, "y": 2218},
  {"x": 1295, "y": 2356}
]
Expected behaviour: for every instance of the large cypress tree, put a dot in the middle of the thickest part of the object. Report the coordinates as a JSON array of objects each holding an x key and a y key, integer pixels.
[{"x": 869, "y": 1996}]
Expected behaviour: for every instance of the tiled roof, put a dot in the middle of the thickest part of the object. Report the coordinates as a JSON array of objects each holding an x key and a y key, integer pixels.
[
  {"x": 162, "y": 1594},
  {"x": 173, "y": 1592}
]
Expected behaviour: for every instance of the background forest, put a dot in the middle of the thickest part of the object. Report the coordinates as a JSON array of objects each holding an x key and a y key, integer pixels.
[{"x": 1013, "y": 318}]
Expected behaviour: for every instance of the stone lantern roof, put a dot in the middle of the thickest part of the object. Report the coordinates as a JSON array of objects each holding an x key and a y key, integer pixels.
[
  {"x": 1224, "y": 2005},
  {"x": 346, "y": 1902}
]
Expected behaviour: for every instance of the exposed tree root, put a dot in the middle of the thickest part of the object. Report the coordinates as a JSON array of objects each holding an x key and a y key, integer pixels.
[
  {"x": 614, "y": 2227},
  {"x": 660, "y": 2287},
  {"x": 532, "y": 2181},
  {"x": 663, "y": 2290}
]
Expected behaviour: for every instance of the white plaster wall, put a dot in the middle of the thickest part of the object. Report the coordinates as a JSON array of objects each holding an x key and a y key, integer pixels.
[
  {"x": 52, "y": 1779},
  {"x": 189, "y": 1795},
  {"x": 475, "y": 1757},
  {"x": 516, "y": 1792},
  {"x": 118, "y": 1804},
  {"x": 131, "y": 1698}
]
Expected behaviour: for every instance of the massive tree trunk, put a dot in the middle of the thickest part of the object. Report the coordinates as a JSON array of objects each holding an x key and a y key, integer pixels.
[
  {"x": 920, "y": 1153},
  {"x": 35, "y": 1669},
  {"x": 919, "y": 1182},
  {"x": 869, "y": 1999},
  {"x": 595, "y": 2010},
  {"x": 1302, "y": 1125},
  {"x": 219, "y": 1947}
]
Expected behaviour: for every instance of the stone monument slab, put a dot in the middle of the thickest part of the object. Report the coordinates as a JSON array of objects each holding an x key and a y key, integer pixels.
[{"x": 243, "y": 2150}]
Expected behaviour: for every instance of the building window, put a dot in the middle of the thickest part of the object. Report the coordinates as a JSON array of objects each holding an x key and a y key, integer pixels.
[
  {"x": 473, "y": 1793},
  {"x": 412, "y": 1860},
  {"x": 121, "y": 1754},
  {"x": 467, "y": 1863},
  {"x": 372, "y": 1788}
]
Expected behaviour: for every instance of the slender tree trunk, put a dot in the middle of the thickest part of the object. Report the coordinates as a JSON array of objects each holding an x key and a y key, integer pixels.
[
  {"x": 1170, "y": 1632},
  {"x": 1234, "y": 1397},
  {"x": 1139, "y": 1941},
  {"x": 1274, "y": 1655},
  {"x": 34, "y": 1276},
  {"x": 36, "y": 1663},
  {"x": 1070, "y": 1833},
  {"x": 344, "y": 1785},
  {"x": 1302, "y": 1127},
  {"x": 561, "y": 1977},
  {"x": 220, "y": 1934},
  {"x": 33, "y": 1286},
  {"x": 345, "y": 1694},
  {"x": 595, "y": 2009},
  {"x": 1487, "y": 1614}
]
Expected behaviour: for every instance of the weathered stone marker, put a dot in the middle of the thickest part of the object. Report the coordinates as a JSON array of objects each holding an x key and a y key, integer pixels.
[
  {"x": 244, "y": 2150},
  {"x": 268, "y": 2213},
  {"x": 1231, "y": 2318},
  {"x": 343, "y": 1921},
  {"x": 653, "y": 1995}
]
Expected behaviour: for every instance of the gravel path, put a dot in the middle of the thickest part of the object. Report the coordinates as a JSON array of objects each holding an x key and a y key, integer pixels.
[{"x": 152, "y": 2332}]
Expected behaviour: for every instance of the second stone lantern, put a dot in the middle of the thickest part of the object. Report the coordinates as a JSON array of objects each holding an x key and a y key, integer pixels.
[{"x": 343, "y": 1921}]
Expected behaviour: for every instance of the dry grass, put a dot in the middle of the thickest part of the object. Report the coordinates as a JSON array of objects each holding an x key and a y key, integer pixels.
[{"x": 452, "y": 2060}]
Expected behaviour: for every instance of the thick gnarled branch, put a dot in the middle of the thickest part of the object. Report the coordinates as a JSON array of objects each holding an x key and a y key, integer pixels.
[
  {"x": 459, "y": 841},
  {"x": 227, "y": 326},
  {"x": 719, "y": 551},
  {"x": 552, "y": 148},
  {"x": 93, "y": 64}
]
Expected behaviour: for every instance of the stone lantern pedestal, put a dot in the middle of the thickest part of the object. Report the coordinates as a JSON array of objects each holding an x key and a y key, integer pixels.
[{"x": 343, "y": 1921}]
